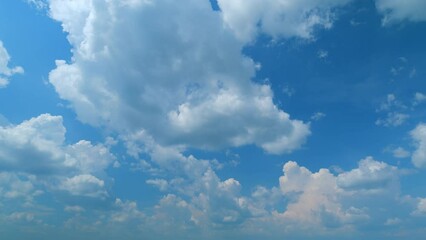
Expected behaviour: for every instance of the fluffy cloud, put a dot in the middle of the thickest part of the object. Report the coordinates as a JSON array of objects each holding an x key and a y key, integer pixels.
[
  {"x": 36, "y": 147},
  {"x": 5, "y": 70},
  {"x": 419, "y": 136},
  {"x": 398, "y": 10},
  {"x": 84, "y": 185},
  {"x": 370, "y": 175},
  {"x": 185, "y": 82},
  {"x": 324, "y": 201},
  {"x": 316, "y": 198},
  {"x": 209, "y": 200},
  {"x": 289, "y": 18}
]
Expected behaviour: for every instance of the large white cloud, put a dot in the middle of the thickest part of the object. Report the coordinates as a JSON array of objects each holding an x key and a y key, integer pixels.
[
  {"x": 170, "y": 68},
  {"x": 278, "y": 18},
  {"x": 398, "y": 10},
  {"x": 5, "y": 70}
]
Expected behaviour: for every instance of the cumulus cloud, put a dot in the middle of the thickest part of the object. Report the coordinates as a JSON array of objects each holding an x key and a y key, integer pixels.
[
  {"x": 36, "y": 147},
  {"x": 395, "y": 11},
  {"x": 419, "y": 136},
  {"x": 84, "y": 185},
  {"x": 323, "y": 200},
  {"x": 5, "y": 71},
  {"x": 184, "y": 82},
  {"x": 208, "y": 200},
  {"x": 370, "y": 175},
  {"x": 316, "y": 197},
  {"x": 278, "y": 19}
]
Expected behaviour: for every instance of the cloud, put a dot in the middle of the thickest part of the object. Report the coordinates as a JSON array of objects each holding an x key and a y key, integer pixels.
[
  {"x": 322, "y": 54},
  {"x": 395, "y": 11},
  {"x": 316, "y": 198},
  {"x": 84, "y": 185},
  {"x": 208, "y": 200},
  {"x": 184, "y": 82},
  {"x": 318, "y": 116},
  {"x": 393, "y": 119},
  {"x": 400, "y": 152},
  {"x": 394, "y": 115},
  {"x": 419, "y": 136},
  {"x": 39, "y": 4},
  {"x": 36, "y": 147},
  {"x": 5, "y": 71},
  {"x": 421, "y": 207},
  {"x": 419, "y": 98},
  {"x": 370, "y": 175},
  {"x": 279, "y": 19}
]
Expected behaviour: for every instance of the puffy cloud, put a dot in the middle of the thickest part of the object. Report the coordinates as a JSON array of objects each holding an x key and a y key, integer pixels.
[
  {"x": 14, "y": 186},
  {"x": 37, "y": 148},
  {"x": 5, "y": 70},
  {"x": 419, "y": 136},
  {"x": 316, "y": 197},
  {"x": 370, "y": 175},
  {"x": 284, "y": 18},
  {"x": 125, "y": 211},
  {"x": 34, "y": 146},
  {"x": 322, "y": 200},
  {"x": 185, "y": 82},
  {"x": 398, "y": 10},
  {"x": 84, "y": 185}
]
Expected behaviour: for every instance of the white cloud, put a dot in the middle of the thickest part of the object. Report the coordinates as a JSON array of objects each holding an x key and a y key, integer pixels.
[
  {"x": 37, "y": 147},
  {"x": 293, "y": 18},
  {"x": 318, "y": 116},
  {"x": 393, "y": 119},
  {"x": 327, "y": 203},
  {"x": 400, "y": 152},
  {"x": 39, "y": 4},
  {"x": 208, "y": 200},
  {"x": 5, "y": 71},
  {"x": 395, "y": 11},
  {"x": 394, "y": 115},
  {"x": 184, "y": 82},
  {"x": 316, "y": 198},
  {"x": 161, "y": 184},
  {"x": 125, "y": 211},
  {"x": 84, "y": 185},
  {"x": 419, "y": 98},
  {"x": 419, "y": 136},
  {"x": 322, "y": 54},
  {"x": 421, "y": 207},
  {"x": 75, "y": 209},
  {"x": 14, "y": 186},
  {"x": 370, "y": 175}
]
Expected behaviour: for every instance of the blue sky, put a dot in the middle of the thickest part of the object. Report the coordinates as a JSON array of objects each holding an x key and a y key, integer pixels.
[{"x": 227, "y": 119}]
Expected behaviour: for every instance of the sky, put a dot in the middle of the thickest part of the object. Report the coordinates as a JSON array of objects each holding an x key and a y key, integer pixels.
[{"x": 212, "y": 119}]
